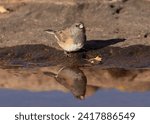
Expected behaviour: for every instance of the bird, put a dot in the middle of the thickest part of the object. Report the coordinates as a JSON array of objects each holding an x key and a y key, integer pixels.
[
  {"x": 70, "y": 39},
  {"x": 71, "y": 78}
]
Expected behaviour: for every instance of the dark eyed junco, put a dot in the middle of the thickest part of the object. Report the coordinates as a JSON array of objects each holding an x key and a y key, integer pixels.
[{"x": 70, "y": 39}]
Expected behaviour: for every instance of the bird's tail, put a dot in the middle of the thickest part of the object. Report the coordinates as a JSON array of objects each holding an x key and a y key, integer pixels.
[
  {"x": 50, "y": 74},
  {"x": 50, "y": 31}
]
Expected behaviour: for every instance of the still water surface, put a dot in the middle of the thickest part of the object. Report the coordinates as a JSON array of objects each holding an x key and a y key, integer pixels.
[{"x": 56, "y": 98}]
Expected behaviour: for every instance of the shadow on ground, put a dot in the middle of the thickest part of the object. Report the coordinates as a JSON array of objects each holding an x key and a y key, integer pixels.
[{"x": 98, "y": 44}]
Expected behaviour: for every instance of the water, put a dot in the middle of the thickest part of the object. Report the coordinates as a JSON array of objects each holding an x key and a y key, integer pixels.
[
  {"x": 101, "y": 98},
  {"x": 121, "y": 79}
]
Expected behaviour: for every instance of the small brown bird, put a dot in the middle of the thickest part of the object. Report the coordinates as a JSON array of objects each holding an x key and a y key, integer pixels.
[
  {"x": 70, "y": 39},
  {"x": 73, "y": 79}
]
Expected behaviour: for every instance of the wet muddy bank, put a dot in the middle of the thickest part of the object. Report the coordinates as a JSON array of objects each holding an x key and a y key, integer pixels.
[{"x": 136, "y": 56}]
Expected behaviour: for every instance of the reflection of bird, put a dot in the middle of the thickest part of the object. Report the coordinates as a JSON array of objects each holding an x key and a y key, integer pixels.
[
  {"x": 70, "y": 39},
  {"x": 73, "y": 79}
]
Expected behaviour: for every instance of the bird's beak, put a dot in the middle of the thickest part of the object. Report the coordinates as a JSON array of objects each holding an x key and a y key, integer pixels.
[
  {"x": 81, "y": 26},
  {"x": 80, "y": 97}
]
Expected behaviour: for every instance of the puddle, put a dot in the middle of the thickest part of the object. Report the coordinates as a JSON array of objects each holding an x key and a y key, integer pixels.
[
  {"x": 102, "y": 98},
  {"x": 123, "y": 72}
]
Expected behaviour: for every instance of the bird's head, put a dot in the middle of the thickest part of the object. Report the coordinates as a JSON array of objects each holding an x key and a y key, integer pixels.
[{"x": 79, "y": 25}]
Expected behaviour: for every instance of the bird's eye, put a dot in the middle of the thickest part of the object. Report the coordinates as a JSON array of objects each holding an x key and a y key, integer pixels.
[{"x": 77, "y": 25}]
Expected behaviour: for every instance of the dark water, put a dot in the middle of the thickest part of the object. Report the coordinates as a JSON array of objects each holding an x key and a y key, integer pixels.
[{"x": 100, "y": 98}]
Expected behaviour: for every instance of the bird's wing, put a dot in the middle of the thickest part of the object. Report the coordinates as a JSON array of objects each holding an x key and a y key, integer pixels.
[
  {"x": 63, "y": 35},
  {"x": 63, "y": 82}
]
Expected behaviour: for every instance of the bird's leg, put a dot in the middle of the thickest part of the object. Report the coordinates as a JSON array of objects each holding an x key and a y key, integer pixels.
[{"x": 67, "y": 54}]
